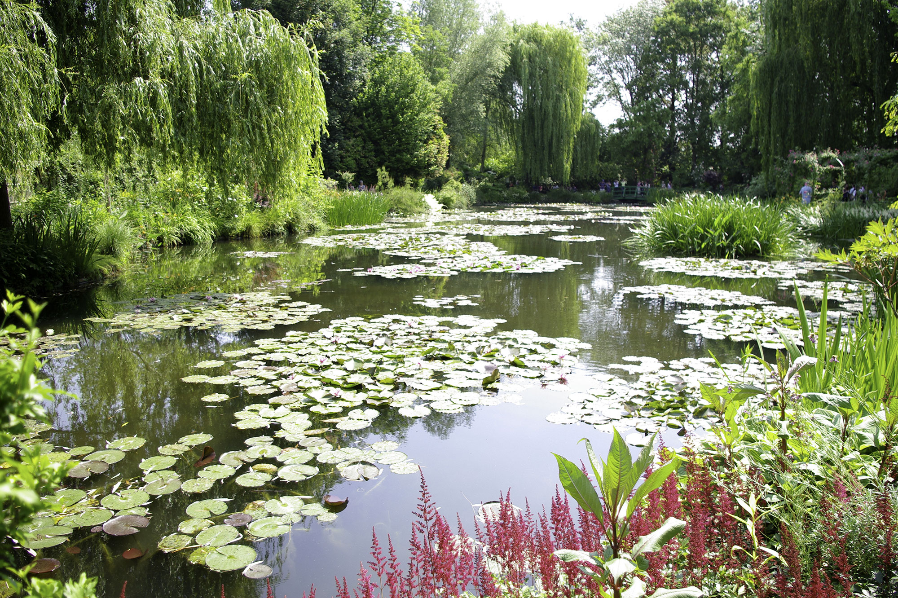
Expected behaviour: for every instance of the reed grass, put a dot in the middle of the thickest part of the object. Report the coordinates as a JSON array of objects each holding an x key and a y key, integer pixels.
[
  {"x": 837, "y": 224},
  {"x": 357, "y": 208},
  {"x": 708, "y": 225}
]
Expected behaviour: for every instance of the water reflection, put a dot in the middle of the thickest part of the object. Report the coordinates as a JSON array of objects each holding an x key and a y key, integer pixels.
[{"x": 129, "y": 383}]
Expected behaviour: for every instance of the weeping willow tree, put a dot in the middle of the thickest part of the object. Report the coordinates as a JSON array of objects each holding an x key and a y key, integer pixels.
[
  {"x": 586, "y": 165},
  {"x": 823, "y": 75},
  {"x": 234, "y": 93},
  {"x": 28, "y": 86},
  {"x": 546, "y": 79}
]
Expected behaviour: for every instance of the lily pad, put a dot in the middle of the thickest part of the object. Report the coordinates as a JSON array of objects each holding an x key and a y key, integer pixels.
[
  {"x": 109, "y": 456},
  {"x": 160, "y": 487},
  {"x": 217, "y": 535},
  {"x": 257, "y": 571},
  {"x": 360, "y": 471},
  {"x": 253, "y": 479},
  {"x": 158, "y": 462},
  {"x": 125, "y": 525},
  {"x": 40, "y": 541},
  {"x": 68, "y": 497},
  {"x": 194, "y": 526},
  {"x": 391, "y": 458},
  {"x": 230, "y": 558},
  {"x": 173, "y": 449},
  {"x": 216, "y": 397},
  {"x": 238, "y": 519},
  {"x": 284, "y": 505},
  {"x": 202, "y": 509},
  {"x": 80, "y": 451},
  {"x": 125, "y": 499},
  {"x": 129, "y": 443},
  {"x": 92, "y": 517},
  {"x": 296, "y": 473},
  {"x": 194, "y": 439},
  {"x": 212, "y": 363},
  {"x": 404, "y": 468},
  {"x": 197, "y": 485},
  {"x": 268, "y": 527},
  {"x": 198, "y": 556},
  {"x": 216, "y": 472},
  {"x": 87, "y": 468}
]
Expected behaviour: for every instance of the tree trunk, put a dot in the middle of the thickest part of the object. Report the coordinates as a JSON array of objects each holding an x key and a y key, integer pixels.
[{"x": 5, "y": 208}]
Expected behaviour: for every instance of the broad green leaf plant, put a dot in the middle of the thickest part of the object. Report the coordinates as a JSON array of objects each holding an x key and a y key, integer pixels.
[
  {"x": 25, "y": 474},
  {"x": 616, "y": 480}
]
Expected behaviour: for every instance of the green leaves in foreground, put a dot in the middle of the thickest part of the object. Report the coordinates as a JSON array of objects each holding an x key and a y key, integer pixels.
[{"x": 616, "y": 479}]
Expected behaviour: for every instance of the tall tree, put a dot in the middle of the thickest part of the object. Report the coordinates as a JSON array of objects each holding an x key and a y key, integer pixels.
[
  {"x": 446, "y": 28},
  {"x": 547, "y": 68},
  {"x": 617, "y": 51},
  {"x": 475, "y": 88},
  {"x": 233, "y": 92},
  {"x": 823, "y": 74},
  {"x": 399, "y": 124},
  {"x": 28, "y": 86}
]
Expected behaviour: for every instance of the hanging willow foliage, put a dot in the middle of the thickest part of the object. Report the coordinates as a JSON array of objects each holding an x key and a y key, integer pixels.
[
  {"x": 234, "y": 92},
  {"x": 586, "y": 166},
  {"x": 547, "y": 69},
  {"x": 823, "y": 75}
]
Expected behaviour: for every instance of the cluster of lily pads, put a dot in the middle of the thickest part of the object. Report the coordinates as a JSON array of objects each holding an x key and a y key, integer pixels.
[
  {"x": 694, "y": 295},
  {"x": 763, "y": 323},
  {"x": 851, "y": 296},
  {"x": 231, "y": 312},
  {"x": 732, "y": 268},
  {"x": 412, "y": 364},
  {"x": 445, "y": 302},
  {"x": 505, "y": 230},
  {"x": 577, "y": 238},
  {"x": 664, "y": 395},
  {"x": 440, "y": 254}
]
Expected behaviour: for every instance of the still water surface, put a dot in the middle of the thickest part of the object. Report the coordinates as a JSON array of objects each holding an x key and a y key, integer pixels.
[{"x": 128, "y": 383}]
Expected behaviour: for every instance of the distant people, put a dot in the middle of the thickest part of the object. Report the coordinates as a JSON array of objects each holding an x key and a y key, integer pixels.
[
  {"x": 852, "y": 193},
  {"x": 846, "y": 193},
  {"x": 806, "y": 192},
  {"x": 862, "y": 192}
]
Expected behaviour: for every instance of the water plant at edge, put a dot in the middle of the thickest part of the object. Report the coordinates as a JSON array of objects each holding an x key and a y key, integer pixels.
[
  {"x": 616, "y": 479},
  {"x": 25, "y": 473},
  {"x": 715, "y": 226}
]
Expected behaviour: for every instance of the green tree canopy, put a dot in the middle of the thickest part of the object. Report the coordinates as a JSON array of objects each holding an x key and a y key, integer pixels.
[
  {"x": 399, "y": 122},
  {"x": 547, "y": 70},
  {"x": 823, "y": 75},
  {"x": 30, "y": 92}
]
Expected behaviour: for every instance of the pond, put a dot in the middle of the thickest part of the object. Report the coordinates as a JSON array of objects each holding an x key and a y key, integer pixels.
[{"x": 332, "y": 368}]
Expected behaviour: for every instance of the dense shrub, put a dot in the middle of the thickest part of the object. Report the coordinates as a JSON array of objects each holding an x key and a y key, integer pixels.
[
  {"x": 715, "y": 226},
  {"x": 836, "y": 223},
  {"x": 456, "y": 196},
  {"x": 404, "y": 200}
]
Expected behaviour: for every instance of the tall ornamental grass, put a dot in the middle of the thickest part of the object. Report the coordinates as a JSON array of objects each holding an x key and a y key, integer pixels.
[
  {"x": 837, "y": 224},
  {"x": 709, "y": 225},
  {"x": 356, "y": 209}
]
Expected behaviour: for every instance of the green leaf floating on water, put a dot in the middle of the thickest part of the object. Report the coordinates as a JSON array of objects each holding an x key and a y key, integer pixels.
[
  {"x": 216, "y": 397},
  {"x": 257, "y": 570},
  {"x": 173, "y": 449},
  {"x": 175, "y": 542},
  {"x": 92, "y": 517},
  {"x": 230, "y": 558},
  {"x": 198, "y": 556},
  {"x": 253, "y": 479},
  {"x": 125, "y": 499},
  {"x": 196, "y": 379},
  {"x": 87, "y": 468},
  {"x": 268, "y": 527},
  {"x": 216, "y": 472},
  {"x": 197, "y": 485},
  {"x": 163, "y": 486},
  {"x": 194, "y": 439},
  {"x": 194, "y": 526},
  {"x": 404, "y": 468},
  {"x": 296, "y": 473},
  {"x": 125, "y": 525},
  {"x": 80, "y": 451},
  {"x": 391, "y": 458},
  {"x": 110, "y": 456},
  {"x": 284, "y": 505},
  {"x": 67, "y": 497},
  {"x": 202, "y": 509},
  {"x": 127, "y": 444},
  {"x": 217, "y": 535},
  {"x": 40, "y": 541},
  {"x": 212, "y": 363},
  {"x": 158, "y": 462}
]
